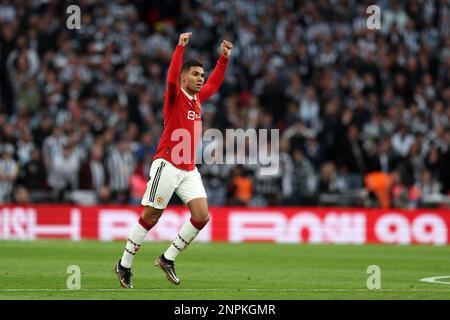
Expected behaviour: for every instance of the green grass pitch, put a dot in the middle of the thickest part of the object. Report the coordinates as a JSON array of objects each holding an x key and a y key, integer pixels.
[{"x": 37, "y": 270}]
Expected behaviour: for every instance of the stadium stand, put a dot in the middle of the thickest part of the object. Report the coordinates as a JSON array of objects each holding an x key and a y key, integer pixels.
[{"x": 364, "y": 115}]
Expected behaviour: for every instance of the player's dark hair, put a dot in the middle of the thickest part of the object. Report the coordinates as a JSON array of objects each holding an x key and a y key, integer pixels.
[{"x": 191, "y": 63}]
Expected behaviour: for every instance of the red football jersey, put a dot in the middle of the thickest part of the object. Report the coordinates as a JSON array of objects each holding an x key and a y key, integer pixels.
[{"x": 182, "y": 113}]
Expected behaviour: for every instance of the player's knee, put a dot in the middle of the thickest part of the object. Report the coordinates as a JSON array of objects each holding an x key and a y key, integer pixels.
[
  {"x": 153, "y": 220},
  {"x": 203, "y": 219},
  {"x": 151, "y": 215}
]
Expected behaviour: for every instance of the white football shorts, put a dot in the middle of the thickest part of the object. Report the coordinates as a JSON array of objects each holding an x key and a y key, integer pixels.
[{"x": 165, "y": 178}]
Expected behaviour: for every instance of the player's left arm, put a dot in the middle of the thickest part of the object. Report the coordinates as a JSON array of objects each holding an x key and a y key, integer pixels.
[{"x": 218, "y": 74}]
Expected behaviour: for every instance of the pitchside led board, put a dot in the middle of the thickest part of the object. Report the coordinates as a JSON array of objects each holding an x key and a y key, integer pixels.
[{"x": 281, "y": 225}]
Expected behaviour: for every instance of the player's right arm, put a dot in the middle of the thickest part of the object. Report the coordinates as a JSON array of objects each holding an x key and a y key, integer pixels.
[{"x": 175, "y": 68}]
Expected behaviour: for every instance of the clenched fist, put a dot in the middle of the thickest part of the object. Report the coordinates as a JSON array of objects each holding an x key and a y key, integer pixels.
[
  {"x": 184, "y": 38},
  {"x": 226, "y": 47}
]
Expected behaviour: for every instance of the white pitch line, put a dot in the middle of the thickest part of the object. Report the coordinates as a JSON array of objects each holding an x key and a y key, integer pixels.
[
  {"x": 225, "y": 290},
  {"x": 435, "y": 280}
]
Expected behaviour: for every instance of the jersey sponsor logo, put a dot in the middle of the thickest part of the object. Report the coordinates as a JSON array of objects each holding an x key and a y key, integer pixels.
[{"x": 191, "y": 115}]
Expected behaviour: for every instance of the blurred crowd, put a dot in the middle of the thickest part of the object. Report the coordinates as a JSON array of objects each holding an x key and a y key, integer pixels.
[{"x": 360, "y": 112}]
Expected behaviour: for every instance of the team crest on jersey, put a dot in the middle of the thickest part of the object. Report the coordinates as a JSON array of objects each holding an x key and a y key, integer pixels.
[{"x": 159, "y": 199}]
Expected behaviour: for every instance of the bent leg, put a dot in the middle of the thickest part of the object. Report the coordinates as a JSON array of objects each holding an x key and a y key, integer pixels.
[
  {"x": 160, "y": 188},
  {"x": 193, "y": 194},
  {"x": 148, "y": 219},
  {"x": 190, "y": 230}
]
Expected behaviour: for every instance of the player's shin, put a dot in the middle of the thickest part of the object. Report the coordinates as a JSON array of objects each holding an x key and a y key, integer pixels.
[
  {"x": 185, "y": 236},
  {"x": 134, "y": 242}
]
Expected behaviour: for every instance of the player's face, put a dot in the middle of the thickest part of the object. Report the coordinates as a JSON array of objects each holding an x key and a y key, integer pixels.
[{"x": 194, "y": 78}]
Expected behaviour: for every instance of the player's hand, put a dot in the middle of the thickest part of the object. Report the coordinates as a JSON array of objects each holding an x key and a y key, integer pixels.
[
  {"x": 184, "y": 38},
  {"x": 226, "y": 47}
]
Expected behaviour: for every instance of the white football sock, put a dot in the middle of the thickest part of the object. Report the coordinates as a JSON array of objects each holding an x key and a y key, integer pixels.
[
  {"x": 135, "y": 239},
  {"x": 185, "y": 236}
]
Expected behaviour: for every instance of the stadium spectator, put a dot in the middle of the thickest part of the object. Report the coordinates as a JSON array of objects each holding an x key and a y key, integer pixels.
[
  {"x": 315, "y": 152},
  {"x": 329, "y": 181},
  {"x": 8, "y": 172},
  {"x": 21, "y": 196},
  {"x": 384, "y": 158},
  {"x": 138, "y": 185},
  {"x": 63, "y": 171},
  {"x": 53, "y": 146},
  {"x": 429, "y": 190},
  {"x": 33, "y": 175},
  {"x": 402, "y": 194},
  {"x": 25, "y": 147},
  {"x": 121, "y": 164},
  {"x": 93, "y": 174},
  {"x": 240, "y": 187},
  {"x": 271, "y": 177},
  {"x": 352, "y": 155},
  {"x": 379, "y": 183},
  {"x": 303, "y": 180},
  {"x": 402, "y": 140},
  {"x": 309, "y": 110},
  {"x": 145, "y": 147},
  {"x": 42, "y": 130},
  {"x": 215, "y": 177}
]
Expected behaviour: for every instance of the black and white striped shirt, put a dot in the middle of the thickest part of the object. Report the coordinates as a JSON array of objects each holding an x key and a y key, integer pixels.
[
  {"x": 120, "y": 167},
  {"x": 8, "y": 169},
  {"x": 98, "y": 175}
]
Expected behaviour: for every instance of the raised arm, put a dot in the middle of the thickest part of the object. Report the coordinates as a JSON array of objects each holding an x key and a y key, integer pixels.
[
  {"x": 176, "y": 62},
  {"x": 218, "y": 74}
]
